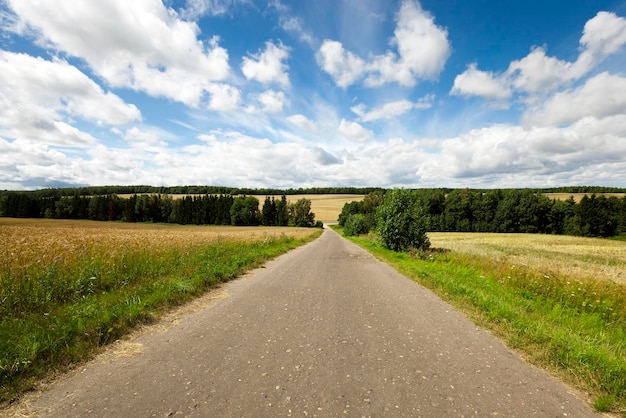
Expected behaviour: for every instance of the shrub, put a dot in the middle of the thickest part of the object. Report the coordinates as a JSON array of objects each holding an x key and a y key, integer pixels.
[
  {"x": 356, "y": 224},
  {"x": 400, "y": 222}
]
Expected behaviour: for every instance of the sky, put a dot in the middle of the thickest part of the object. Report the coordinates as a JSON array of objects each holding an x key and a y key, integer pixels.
[{"x": 316, "y": 93}]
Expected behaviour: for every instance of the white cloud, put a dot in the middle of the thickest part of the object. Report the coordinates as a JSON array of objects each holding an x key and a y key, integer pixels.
[
  {"x": 40, "y": 98},
  {"x": 268, "y": 66},
  {"x": 474, "y": 82},
  {"x": 303, "y": 122},
  {"x": 422, "y": 49},
  {"x": 392, "y": 109},
  {"x": 272, "y": 101},
  {"x": 354, "y": 132},
  {"x": 343, "y": 66},
  {"x": 600, "y": 96},
  {"x": 224, "y": 97},
  {"x": 540, "y": 74},
  {"x": 604, "y": 34},
  {"x": 505, "y": 155},
  {"x": 195, "y": 9},
  {"x": 140, "y": 45}
]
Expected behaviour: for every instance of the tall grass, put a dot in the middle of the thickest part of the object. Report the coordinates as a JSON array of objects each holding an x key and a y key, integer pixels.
[
  {"x": 575, "y": 328},
  {"x": 58, "y": 307}
]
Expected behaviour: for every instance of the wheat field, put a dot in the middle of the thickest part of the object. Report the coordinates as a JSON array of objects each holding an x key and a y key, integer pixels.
[
  {"x": 32, "y": 242},
  {"x": 566, "y": 256}
]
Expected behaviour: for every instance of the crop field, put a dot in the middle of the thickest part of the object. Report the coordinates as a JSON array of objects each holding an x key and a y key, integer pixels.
[
  {"x": 69, "y": 287},
  {"x": 578, "y": 196},
  {"x": 577, "y": 258}
]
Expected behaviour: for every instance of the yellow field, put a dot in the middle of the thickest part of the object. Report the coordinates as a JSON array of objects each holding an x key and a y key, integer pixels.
[
  {"x": 566, "y": 256},
  {"x": 24, "y": 242},
  {"x": 578, "y": 196}
]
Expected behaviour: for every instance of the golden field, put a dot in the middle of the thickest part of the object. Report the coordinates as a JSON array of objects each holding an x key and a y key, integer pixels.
[
  {"x": 578, "y": 196},
  {"x": 38, "y": 242},
  {"x": 577, "y": 258}
]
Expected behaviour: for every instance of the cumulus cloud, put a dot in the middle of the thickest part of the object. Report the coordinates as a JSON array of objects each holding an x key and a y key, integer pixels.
[
  {"x": 540, "y": 74},
  {"x": 600, "y": 96},
  {"x": 224, "y": 97},
  {"x": 268, "y": 67},
  {"x": 39, "y": 99},
  {"x": 141, "y": 44},
  {"x": 391, "y": 109},
  {"x": 421, "y": 51},
  {"x": 272, "y": 101},
  {"x": 354, "y": 131},
  {"x": 343, "y": 66},
  {"x": 474, "y": 82}
]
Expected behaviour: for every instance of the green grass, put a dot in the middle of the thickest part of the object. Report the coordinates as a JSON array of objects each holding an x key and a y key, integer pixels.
[
  {"x": 62, "y": 316},
  {"x": 575, "y": 329}
]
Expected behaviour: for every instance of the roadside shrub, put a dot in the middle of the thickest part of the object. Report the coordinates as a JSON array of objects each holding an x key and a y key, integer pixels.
[
  {"x": 356, "y": 224},
  {"x": 401, "y": 223}
]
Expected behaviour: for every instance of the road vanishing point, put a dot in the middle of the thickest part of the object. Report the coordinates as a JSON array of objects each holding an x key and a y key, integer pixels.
[{"x": 323, "y": 331}]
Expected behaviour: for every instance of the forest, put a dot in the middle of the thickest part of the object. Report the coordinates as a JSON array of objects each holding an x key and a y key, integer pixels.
[
  {"x": 458, "y": 210},
  {"x": 205, "y": 209},
  {"x": 512, "y": 210}
]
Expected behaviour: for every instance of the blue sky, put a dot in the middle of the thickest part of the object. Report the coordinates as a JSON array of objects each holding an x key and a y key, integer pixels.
[{"x": 472, "y": 93}]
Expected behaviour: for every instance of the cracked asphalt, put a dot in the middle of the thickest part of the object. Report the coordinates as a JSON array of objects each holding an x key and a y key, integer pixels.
[{"x": 325, "y": 330}]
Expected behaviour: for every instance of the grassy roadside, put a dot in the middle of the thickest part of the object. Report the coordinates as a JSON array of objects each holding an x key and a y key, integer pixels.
[
  {"x": 57, "y": 314},
  {"x": 576, "y": 329}
]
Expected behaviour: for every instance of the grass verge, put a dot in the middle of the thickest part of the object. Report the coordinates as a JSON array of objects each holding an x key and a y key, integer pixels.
[
  {"x": 576, "y": 329},
  {"x": 61, "y": 314}
]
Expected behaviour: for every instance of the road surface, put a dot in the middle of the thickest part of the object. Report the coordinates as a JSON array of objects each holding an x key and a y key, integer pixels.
[{"x": 326, "y": 331}]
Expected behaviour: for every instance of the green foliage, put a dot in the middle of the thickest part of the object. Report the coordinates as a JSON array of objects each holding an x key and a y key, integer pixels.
[
  {"x": 300, "y": 213},
  {"x": 367, "y": 207},
  {"x": 269, "y": 213},
  {"x": 356, "y": 224},
  {"x": 400, "y": 222},
  {"x": 245, "y": 211}
]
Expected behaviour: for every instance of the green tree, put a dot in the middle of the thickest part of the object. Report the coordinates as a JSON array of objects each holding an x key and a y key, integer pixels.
[
  {"x": 356, "y": 224},
  {"x": 282, "y": 211},
  {"x": 301, "y": 214},
  {"x": 269, "y": 213},
  {"x": 401, "y": 222},
  {"x": 245, "y": 211}
]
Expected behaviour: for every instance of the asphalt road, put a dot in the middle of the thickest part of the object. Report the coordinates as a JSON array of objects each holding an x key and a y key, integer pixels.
[{"x": 325, "y": 330}]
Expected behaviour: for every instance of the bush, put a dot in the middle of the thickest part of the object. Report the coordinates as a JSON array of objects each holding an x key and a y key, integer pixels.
[
  {"x": 356, "y": 224},
  {"x": 400, "y": 222}
]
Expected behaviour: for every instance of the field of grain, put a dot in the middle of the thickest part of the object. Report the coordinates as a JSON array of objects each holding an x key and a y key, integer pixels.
[
  {"x": 565, "y": 256},
  {"x": 31, "y": 242},
  {"x": 578, "y": 196},
  {"x": 69, "y": 287}
]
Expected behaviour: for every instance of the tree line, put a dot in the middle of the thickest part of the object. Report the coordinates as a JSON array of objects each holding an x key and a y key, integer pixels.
[
  {"x": 192, "y": 190},
  {"x": 207, "y": 209},
  {"x": 467, "y": 210}
]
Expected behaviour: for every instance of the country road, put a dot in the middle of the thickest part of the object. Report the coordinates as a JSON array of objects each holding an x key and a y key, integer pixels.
[{"x": 325, "y": 330}]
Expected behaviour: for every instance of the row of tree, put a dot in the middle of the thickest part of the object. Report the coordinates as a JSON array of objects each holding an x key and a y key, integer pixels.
[
  {"x": 499, "y": 211},
  {"x": 205, "y": 209},
  {"x": 189, "y": 190}
]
